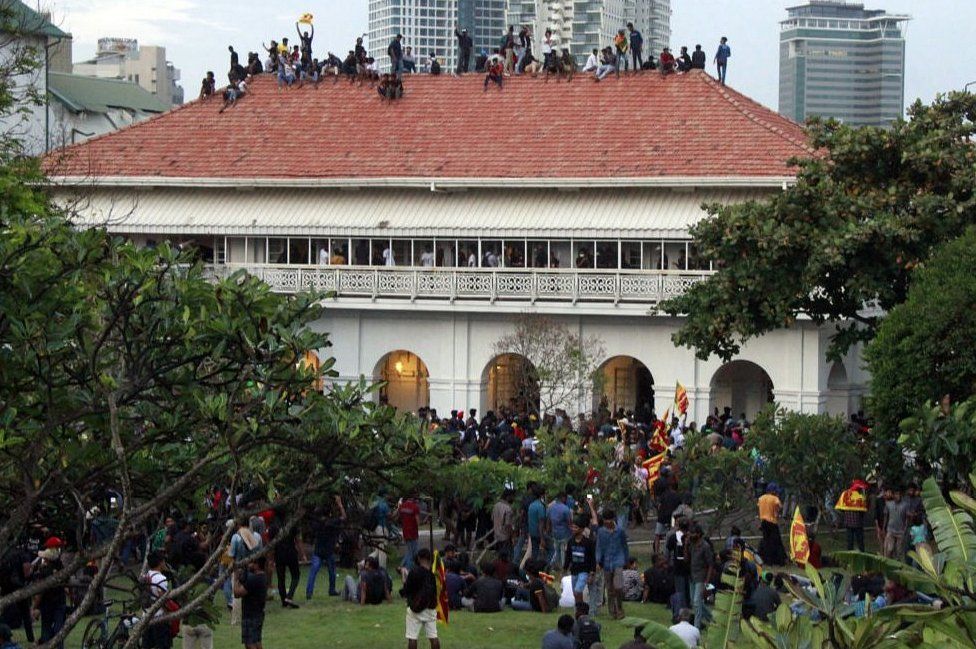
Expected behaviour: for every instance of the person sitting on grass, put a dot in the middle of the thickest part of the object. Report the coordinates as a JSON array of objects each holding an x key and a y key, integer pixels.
[
  {"x": 536, "y": 595},
  {"x": 374, "y": 585},
  {"x": 486, "y": 594},
  {"x": 562, "y": 636}
]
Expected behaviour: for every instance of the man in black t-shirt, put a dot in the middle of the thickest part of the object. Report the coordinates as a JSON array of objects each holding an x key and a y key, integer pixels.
[
  {"x": 374, "y": 584},
  {"x": 252, "y": 587},
  {"x": 486, "y": 594},
  {"x": 658, "y": 581}
]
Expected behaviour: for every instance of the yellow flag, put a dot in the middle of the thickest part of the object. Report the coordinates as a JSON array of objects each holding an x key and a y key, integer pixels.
[
  {"x": 305, "y": 18},
  {"x": 680, "y": 399},
  {"x": 799, "y": 544}
]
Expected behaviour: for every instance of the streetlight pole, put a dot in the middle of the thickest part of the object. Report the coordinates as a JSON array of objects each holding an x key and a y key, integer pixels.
[{"x": 965, "y": 88}]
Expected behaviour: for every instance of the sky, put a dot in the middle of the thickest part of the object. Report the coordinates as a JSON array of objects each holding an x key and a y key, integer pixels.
[{"x": 941, "y": 52}]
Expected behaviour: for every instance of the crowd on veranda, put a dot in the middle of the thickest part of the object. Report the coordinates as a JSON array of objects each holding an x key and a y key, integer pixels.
[{"x": 296, "y": 64}]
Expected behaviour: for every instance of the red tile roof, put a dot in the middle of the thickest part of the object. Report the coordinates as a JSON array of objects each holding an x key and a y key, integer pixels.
[{"x": 637, "y": 126}]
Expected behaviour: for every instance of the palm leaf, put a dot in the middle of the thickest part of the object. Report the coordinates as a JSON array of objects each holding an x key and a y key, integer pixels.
[
  {"x": 861, "y": 562},
  {"x": 657, "y": 635},
  {"x": 953, "y": 530},
  {"x": 727, "y": 614}
]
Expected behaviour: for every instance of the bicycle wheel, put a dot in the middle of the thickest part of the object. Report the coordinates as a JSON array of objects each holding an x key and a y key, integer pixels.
[{"x": 94, "y": 636}]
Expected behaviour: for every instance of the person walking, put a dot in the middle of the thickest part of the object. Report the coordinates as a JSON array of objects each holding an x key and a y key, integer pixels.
[
  {"x": 722, "y": 57},
  {"x": 636, "y": 47},
  {"x": 465, "y": 45},
  {"x": 420, "y": 591},
  {"x": 770, "y": 508},
  {"x": 896, "y": 525},
  {"x": 611, "y": 556},
  {"x": 326, "y": 526}
]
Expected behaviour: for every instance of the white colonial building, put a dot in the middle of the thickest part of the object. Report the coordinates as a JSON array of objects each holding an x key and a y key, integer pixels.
[{"x": 437, "y": 219}]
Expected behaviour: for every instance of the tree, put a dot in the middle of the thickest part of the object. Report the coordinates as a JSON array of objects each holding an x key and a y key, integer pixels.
[
  {"x": 559, "y": 366},
  {"x": 721, "y": 482},
  {"x": 811, "y": 456},
  {"x": 924, "y": 348},
  {"x": 866, "y": 209},
  {"x": 124, "y": 370},
  {"x": 942, "y": 443}
]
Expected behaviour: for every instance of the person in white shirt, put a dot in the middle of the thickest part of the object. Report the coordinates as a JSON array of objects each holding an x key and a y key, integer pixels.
[
  {"x": 427, "y": 258},
  {"x": 592, "y": 62},
  {"x": 324, "y": 256},
  {"x": 388, "y": 257},
  {"x": 472, "y": 260},
  {"x": 685, "y": 630}
]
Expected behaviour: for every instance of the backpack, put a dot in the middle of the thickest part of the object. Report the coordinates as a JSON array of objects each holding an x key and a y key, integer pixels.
[{"x": 589, "y": 633}]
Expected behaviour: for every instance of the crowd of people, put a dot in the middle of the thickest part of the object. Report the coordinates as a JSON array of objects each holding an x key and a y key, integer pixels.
[{"x": 296, "y": 64}]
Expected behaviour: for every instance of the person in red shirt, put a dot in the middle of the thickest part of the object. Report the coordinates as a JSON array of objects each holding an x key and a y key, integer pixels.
[
  {"x": 409, "y": 515},
  {"x": 494, "y": 72},
  {"x": 667, "y": 62}
]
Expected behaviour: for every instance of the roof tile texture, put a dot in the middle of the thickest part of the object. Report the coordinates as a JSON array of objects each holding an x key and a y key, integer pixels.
[{"x": 635, "y": 126}]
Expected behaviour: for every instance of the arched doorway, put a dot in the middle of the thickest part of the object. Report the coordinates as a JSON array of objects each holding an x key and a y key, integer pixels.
[
  {"x": 508, "y": 382},
  {"x": 625, "y": 384},
  {"x": 838, "y": 390},
  {"x": 742, "y": 386},
  {"x": 407, "y": 388}
]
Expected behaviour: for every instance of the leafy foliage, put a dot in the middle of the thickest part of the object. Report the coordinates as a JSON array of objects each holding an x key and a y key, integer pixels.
[
  {"x": 943, "y": 443},
  {"x": 864, "y": 212},
  {"x": 809, "y": 455},
  {"x": 923, "y": 348},
  {"x": 721, "y": 481},
  {"x": 727, "y": 615}
]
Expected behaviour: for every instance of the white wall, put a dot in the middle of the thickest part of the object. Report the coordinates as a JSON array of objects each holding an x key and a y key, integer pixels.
[
  {"x": 456, "y": 347},
  {"x": 28, "y": 126}
]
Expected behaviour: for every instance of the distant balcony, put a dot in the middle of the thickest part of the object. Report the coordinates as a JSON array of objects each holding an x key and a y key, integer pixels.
[{"x": 478, "y": 284}]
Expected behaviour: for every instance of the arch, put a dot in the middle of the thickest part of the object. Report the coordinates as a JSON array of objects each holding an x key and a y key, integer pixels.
[
  {"x": 508, "y": 381},
  {"x": 407, "y": 381},
  {"x": 624, "y": 382},
  {"x": 838, "y": 390},
  {"x": 743, "y": 386}
]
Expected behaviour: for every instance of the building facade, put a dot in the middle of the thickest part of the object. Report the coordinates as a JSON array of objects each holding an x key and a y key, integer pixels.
[
  {"x": 591, "y": 24},
  {"x": 840, "y": 60},
  {"x": 146, "y": 66},
  {"x": 429, "y": 244}
]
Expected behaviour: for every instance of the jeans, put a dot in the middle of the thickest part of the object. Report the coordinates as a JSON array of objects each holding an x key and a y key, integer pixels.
[
  {"x": 623, "y": 517},
  {"x": 681, "y": 587},
  {"x": 227, "y": 586},
  {"x": 855, "y": 536},
  {"x": 519, "y": 549},
  {"x": 722, "y": 68},
  {"x": 464, "y": 61},
  {"x": 408, "y": 554},
  {"x": 595, "y": 593},
  {"x": 557, "y": 553},
  {"x": 330, "y": 562},
  {"x": 289, "y": 562},
  {"x": 637, "y": 55},
  {"x": 698, "y": 604},
  {"x": 536, "y": 542},
  {"x": 605, "y": 70}
]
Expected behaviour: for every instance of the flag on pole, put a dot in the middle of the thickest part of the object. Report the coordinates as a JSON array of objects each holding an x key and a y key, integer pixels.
[
  {"x": 680, "y": 399},
  {"x": 440, "y": 573},
  {"x": 653, "y": 467},
  {"x": 659, "y": 440},
  {"x": 799, "y": 545}
]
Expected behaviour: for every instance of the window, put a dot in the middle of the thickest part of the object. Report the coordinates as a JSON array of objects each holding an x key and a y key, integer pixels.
[
  {"x": 298, "y": 251},
  {"x": 278, "y": 251}
]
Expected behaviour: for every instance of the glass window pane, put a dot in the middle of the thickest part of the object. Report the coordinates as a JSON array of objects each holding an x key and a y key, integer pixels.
[
  {"x": 423, "y": 253},
  {"x": 256, "y": 253},
  {"x": 278, "y": 251},
  {"x": 606, "y": 254},
  {"x": 514, "y": 253},
  {"x": 674, "y": 255},
  {"x": 298, "y": 251},
  {"x": 401, "y": 253},
  {"x": 359, "y": 255},
  {"x": 338, "y": 250},
  {"x": 445, "y": 254},
  {"x": 652, "y": 256},
  {"x": 560, "y": 254},
  {"x": 491, "y": 254},
  {"x": 583, "y": 254},
  {"x": 539, "y": 254},
  {"x": 630, "y": 255},
  {"x": 235, "y": 250},
  {"x": 468, "y": 254},
  {"x": 320, "y": 251}
]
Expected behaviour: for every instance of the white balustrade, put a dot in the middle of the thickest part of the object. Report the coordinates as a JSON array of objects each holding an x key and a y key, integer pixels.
[{"x": 488, "y": 284}]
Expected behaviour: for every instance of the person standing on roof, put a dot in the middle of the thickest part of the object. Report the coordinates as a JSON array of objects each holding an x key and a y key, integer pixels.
[
  {"x": 465, "y": 45},
  {"x": 636, "y": 47},
  {"x": 395, "y": 52},
  {"x": 305, "y": 38},
  {"x": 722, "y": 57},
  {"x": 620, "y": 46},
  {"x": 508, "y": 50}
]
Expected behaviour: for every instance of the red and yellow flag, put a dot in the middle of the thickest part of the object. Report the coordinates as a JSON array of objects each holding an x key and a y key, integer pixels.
[
  {"x": 680, "y": 399},
  {"x": 653, "y": 467},
  {"x": 852, "y": 500},
  {"x": 799, "y": 545},
  {"x": 306, "y": 18},
  {"x": 440, "y": 573}
]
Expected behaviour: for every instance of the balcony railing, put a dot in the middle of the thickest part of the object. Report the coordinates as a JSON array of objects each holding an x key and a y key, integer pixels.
[{"x": 486, "y": 284}]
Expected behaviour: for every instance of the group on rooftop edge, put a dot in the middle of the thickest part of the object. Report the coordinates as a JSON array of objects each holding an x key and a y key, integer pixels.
[{"x": 296, "y": 65}]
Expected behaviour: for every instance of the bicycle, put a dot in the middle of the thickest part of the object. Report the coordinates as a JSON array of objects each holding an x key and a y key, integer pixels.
[{"x": 97, "y": 634}]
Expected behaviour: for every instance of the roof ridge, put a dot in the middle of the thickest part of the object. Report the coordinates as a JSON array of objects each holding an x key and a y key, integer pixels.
[{"x": 738, "y": 100}]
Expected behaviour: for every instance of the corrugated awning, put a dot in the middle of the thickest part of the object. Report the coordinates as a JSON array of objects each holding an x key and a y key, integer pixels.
[{"x": 610, "y": 213}]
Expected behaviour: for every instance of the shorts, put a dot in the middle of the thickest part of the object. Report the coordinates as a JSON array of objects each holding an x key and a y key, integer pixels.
[
  {"x": 426, "y": 620},
  {"x": 251, "y": 628},
  {"x": 579, "y": 581},
  {"x": 661, "y": 529}
]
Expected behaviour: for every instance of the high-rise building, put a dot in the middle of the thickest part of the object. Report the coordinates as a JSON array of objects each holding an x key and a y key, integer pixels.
[
  {"x": 840, "y": 60},
  {"x": 585, "y": 25},
  {"x": 428, "y": 26},
  {"x": 146, "y": 66}
]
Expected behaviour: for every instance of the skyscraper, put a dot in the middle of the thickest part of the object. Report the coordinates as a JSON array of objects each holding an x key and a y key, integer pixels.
[
  {"x": 585, "y": 25},
  {"x": 840, "y": 60},
  {"x": 428, "y": 26}
]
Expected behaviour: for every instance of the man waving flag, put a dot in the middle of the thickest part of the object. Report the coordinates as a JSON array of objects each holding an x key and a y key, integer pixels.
[{"x": 680, "y": 399}]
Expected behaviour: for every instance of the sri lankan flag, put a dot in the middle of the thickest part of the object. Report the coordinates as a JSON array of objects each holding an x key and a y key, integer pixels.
[
  {"x": 306, "y": 18},
  {"x": 799, "y": 544},
  {"x": 440, "y": 573},
  {"x": 852, "y": 500},
  {"x": 653, "y": 466},
  {"x": 680, "y": 399}
]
